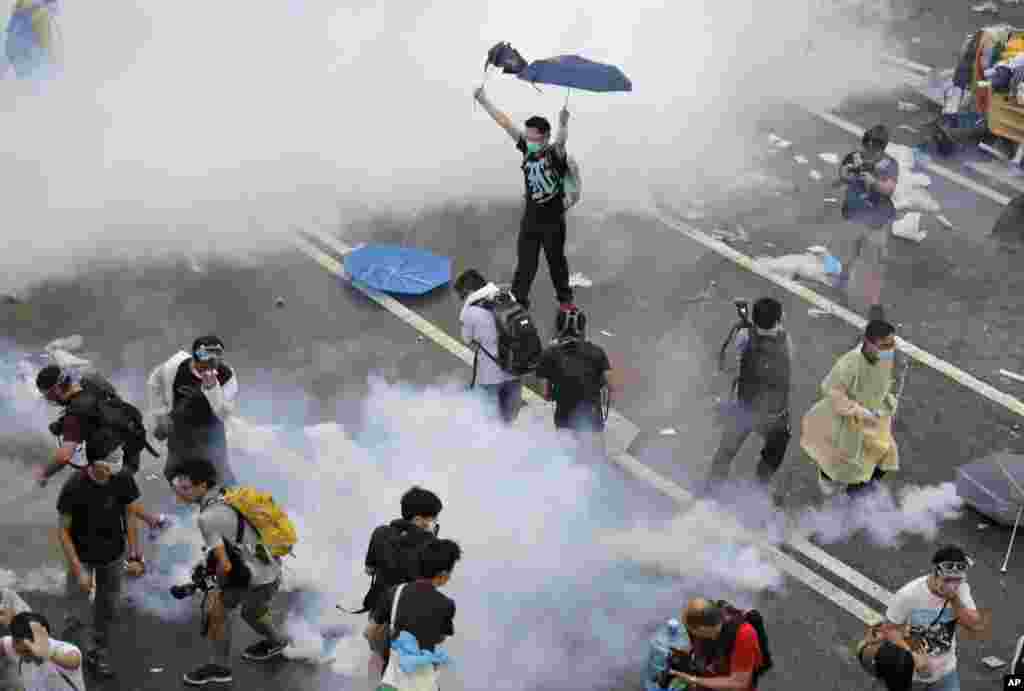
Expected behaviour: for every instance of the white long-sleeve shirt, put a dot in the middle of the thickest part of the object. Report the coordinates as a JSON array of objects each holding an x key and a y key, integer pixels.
[{"x": 160, "y": 390}]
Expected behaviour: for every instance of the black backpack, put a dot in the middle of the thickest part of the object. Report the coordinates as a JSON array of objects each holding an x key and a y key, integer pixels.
[
  {"x": 519, "y": 345},
  {"x": 764, "y": 375},
  {"x": 110, "y": 420},
  {"x": 395, "y": 553}
]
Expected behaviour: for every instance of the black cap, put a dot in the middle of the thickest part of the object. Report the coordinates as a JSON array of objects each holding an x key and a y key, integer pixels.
[
  {"x": 950, "y": 553},
  {"x": 21, "y": 625},
  {"x": 48, "y": 377}
]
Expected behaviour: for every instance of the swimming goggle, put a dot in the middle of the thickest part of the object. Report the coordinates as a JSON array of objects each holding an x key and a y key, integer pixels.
[
  {"x": 209, "y": 353},
  {"x": 953, "y": 569}
]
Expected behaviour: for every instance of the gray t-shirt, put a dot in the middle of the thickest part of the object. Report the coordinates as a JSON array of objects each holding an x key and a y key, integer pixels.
[
  {"x": 478, "y": 325},
  {"x": 219, "y": 522}
]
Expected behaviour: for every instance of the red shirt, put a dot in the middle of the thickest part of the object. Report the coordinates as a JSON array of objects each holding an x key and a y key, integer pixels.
[{"x": 746, "y": 654}]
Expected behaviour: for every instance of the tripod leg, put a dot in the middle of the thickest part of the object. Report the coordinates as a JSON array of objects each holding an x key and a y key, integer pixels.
[{"x": 1013, "y": 535}]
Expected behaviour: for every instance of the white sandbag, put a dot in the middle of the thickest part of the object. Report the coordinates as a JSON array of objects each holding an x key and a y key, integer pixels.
[
  {"x": 909, "y": 228},
  {"x": 799, "y": 266}
]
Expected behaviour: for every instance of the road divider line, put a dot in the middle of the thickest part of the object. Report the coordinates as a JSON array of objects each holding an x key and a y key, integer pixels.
[
  {"x": 623, "y": 459},
  {"x": 1014, "y": 405}
]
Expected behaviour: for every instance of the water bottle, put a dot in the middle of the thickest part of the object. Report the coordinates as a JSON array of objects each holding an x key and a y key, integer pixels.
[{"x": 669, "y": 635}]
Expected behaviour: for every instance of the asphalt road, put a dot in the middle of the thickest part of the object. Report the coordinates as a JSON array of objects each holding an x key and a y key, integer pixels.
[{"x": 660, "y": 304}]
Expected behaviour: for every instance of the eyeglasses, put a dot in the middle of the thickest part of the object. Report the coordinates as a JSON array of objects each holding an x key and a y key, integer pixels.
[{"x": 950, "y": 567}]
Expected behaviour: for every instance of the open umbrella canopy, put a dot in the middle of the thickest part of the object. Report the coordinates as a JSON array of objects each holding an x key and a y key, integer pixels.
[
  {"x": 576, "y": 73},
  {"x": 986, "y": 485},
  {"x": 395, "y": 269}
]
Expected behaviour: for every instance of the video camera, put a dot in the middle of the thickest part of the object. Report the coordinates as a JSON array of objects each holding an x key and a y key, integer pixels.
[
  {"x": 743, "y": 310},
  {"x": 204, "y": 580},
  {"x": 678, "y": 661}
]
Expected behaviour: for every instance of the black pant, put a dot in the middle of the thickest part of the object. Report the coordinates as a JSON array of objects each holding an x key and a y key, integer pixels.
[
  {"x": 859, "y": 488},
  {"x": 738, "y": 426},
  {"x": 104, "y": 607},
  {"x": 535, "y": 233}
]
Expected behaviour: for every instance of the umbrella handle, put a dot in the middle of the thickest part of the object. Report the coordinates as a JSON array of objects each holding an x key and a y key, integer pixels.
[{"x": 568, "y": 90}]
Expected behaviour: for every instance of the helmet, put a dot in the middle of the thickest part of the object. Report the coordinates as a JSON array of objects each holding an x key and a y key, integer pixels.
[{"x": 570, "y": 323}]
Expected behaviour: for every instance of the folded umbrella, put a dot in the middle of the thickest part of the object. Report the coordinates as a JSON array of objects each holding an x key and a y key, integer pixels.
[{"x": 395, "y": 269}]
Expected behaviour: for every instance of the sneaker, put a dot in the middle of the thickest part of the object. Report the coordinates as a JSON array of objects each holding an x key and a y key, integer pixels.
[
  {"x": 208, "y": 674},
  {"x": 263, "y": 651},
  {"x": 98, "y": 660}
]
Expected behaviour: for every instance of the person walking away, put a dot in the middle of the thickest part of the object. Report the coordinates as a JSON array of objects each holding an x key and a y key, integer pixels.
[
  {"x": 393, "y": 558},
  {"x": 247, "y": 574},
  {"x": 98, "y": 538},
  {"x": 577, "y": 375},
  {"x": 762, "y": 395},
  {"x": 42, "y": 663},
  {"x": 848, "y": 433},
  {"x": 726, "y": 654},
  {"x": 191, "y": 396},
  {"x": 934, "y": 606},
  {"x": 871, "y": 177},
  {"x": 413, "y": 619},
  {"x": 545, "y": 166},
  {"x": 481, "y": 332}
]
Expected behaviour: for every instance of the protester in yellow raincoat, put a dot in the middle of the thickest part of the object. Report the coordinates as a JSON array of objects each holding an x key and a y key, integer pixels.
[
  {"x": 31, "y": 43},
  {"x": 848, "y": 433}
]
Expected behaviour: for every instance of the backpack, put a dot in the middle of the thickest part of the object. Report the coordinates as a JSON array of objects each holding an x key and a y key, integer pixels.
[
  {"x": 276, "y": 530},
  {"x": 733, "y": 618},
  {"x": 398, "y": 562},
  {"x": 572, "y": 183},
  {"x": 112, "y": 421},
  {"x": 764, "y": 369},
  {"x": 519, "y": 346},
  {"x": 965, "y": 66}
]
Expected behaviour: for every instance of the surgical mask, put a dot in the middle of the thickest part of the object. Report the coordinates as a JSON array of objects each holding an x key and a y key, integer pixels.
[
  {"x": 887, "y": 355},
  {"x": 533, "y": 147}
]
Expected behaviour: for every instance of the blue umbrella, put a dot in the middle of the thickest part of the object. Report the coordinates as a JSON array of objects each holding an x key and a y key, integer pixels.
[
  {"x": 394, "y": 269},
  {"x": 576, "y": 73}
]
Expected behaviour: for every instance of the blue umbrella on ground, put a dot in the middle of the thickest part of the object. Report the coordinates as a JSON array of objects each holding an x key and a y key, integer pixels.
[{"x": 395, "y": 269}]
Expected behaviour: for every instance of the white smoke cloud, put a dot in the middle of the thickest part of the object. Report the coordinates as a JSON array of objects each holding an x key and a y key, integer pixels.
[{"x": 220, "y": 131}]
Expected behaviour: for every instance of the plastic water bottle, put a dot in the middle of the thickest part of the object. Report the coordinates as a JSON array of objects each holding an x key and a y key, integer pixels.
[{"x": 669, "y": 635}]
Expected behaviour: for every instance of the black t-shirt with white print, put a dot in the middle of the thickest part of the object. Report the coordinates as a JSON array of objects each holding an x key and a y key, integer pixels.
[{"x": 543, "y": 174}]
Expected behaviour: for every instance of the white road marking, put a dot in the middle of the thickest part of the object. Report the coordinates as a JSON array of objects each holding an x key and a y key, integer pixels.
[
  {"x": 782, "y": 561},
  {"x": 993, "y": 394}
]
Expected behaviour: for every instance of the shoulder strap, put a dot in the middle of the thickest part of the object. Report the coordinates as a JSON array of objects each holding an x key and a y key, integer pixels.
[
  {"x": 394, "y": 608},
  {"x": 69, "y": 680}
]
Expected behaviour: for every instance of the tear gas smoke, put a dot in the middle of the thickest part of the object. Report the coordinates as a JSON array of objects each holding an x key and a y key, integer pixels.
[{"x": 273, "y": 114}]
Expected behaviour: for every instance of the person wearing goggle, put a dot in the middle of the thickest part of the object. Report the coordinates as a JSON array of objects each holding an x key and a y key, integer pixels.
[
  {"x": 190, "y": 397},
  {"x": 932, "y": 607},
  {"x": 848, "y": 433}
]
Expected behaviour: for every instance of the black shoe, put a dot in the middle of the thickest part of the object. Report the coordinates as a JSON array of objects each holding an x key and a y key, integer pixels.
[
  {"x": 98, "y": 661},
  {"x": 208, "y": 674},
  {"x": 263, "y": 651}
]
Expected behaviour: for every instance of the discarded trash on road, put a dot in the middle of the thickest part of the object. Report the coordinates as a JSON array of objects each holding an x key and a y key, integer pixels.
[
  {"x": 800, "y": 159},
  {"x": 607, "y": 333},
  {"x": 986, "y": 7},
  {"x": 815, "y": 175},
  {"x": 578, "y": 280},
  {"x": 668, "y": 432},
  {"x": 993, "y": 662},
  {"x": 830, "y": 158},
  {"x": 908, "y": 107},
  {"x": 944, "y": 221},
  {"x": 779, "y": 141},
  {"x": 831, "y": 200},
  {"x": 909, "y": 228},
  {"x": 910, "y": 129},
  {"x": 916, "y": 39}
]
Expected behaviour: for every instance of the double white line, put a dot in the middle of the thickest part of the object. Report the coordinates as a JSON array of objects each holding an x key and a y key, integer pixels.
[{"x": 620, "y": 434}]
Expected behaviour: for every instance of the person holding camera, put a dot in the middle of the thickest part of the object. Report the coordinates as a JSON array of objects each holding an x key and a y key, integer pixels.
[
  {"x": 725, "y": 653},
  {"x": 246, "y": 574},
  {"x": 96, "y": 528},
  {"x": 761, "y": 401},
  {"x": 191, "y": 396}
]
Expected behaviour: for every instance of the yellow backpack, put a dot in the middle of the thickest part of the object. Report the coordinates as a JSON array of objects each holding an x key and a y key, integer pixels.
[{"x": 275, "y": 528}]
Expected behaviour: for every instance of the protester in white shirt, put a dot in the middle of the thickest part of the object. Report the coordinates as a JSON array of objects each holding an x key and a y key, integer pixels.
[
  {"x": 45, "y": 664},
  {"x": 481, "y": 332},
  {"x": 933, "y": 606}
]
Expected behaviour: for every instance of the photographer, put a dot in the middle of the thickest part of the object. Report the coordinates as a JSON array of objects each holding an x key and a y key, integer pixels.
[
  {"x": 725, "y": 654},
  {"x": 762, "y": 392},
  {"x": 246, "y": 574},
  {"x": 871, "y": 176}
]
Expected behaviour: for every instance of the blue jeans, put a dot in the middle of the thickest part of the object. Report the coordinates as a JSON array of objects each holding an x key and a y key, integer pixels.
[
  {"x": 950, "y": 682},
  {"x": 507, "y": 397}
]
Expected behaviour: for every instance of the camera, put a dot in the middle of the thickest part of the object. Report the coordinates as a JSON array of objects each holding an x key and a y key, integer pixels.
[
  {"x": 679, "y": 661},
  {"x": 203, "y": 580}
]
